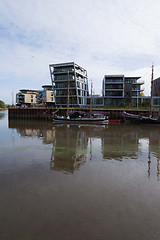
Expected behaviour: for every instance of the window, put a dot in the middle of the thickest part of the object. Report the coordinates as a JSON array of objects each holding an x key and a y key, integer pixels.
[
  {"x": 114, "y": 86},
  {"x": 116, "y": 79},
  {"x": 78, "y": 84}
]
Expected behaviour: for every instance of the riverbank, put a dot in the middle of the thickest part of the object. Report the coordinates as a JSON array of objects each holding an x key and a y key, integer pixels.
[{"x": 47, "y": 113}]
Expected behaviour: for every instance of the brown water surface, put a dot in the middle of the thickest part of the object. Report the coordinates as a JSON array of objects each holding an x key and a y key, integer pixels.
[{"x": 79, "y": 182}]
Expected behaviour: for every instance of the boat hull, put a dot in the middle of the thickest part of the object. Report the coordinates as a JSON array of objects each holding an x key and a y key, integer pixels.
[
  {"x": 140, "y": 119},
  {"x": 150, "y": 121},
  {"x": 80, "y": 120}
]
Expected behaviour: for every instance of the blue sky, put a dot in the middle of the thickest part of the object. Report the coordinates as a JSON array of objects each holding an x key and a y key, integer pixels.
[{"x": 103, "y": 36}]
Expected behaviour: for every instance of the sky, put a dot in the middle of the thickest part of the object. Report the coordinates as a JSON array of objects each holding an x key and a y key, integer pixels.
[{"x": 103, "y": 36}]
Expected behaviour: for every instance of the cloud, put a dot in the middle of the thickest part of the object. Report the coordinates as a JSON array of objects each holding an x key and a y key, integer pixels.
[{"x": 104, "y": 37}]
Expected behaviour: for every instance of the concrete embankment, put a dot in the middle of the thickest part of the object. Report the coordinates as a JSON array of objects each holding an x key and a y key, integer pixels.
[{"x": 47, "y": 113}]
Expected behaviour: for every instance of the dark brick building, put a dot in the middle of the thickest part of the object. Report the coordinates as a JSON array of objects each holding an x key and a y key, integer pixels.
[{"x": 156, "y": 87}]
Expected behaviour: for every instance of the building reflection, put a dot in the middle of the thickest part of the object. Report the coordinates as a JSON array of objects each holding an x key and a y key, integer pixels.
[
  {"x": 2, "y": 115},
  {"x": 73, "y": 145},
  {"x": 154, "y": 151},
  {"x": 70, "y": 148},
  {"x": 40, "y": 129},
  {"x": 119, "y": 143}
]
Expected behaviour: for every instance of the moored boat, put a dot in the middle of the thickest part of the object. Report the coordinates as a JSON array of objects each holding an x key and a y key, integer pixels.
[
  {"x": 143, "y": 119},
  {"x": 80, "y": 120},
  {"x": 76, "y": 118},
  {"x": 140, "y": 119}
]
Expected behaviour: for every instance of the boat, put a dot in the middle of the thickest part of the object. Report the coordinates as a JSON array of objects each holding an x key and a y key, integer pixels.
[
  {"x": 77, "y": 118},
  {"x": 140, "y": 119},
  {"x": 80, "y": 120},
  {"x": 143, "y": 119},
  {"x": 114, "y": 121}
]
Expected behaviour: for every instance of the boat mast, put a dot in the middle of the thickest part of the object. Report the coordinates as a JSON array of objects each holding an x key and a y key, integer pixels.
[
  {"x": 151, "y": 90},
  {"x": 68, "y": 96},
  {"x": 91, "y": 99}
]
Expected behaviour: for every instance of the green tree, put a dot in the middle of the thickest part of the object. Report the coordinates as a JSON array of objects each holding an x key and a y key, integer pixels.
[
  {"x": 7, "y": 105},
  {"x": 2, "y": 104}
]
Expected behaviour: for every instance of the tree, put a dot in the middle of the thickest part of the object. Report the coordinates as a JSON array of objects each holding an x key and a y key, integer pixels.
[{"x": 2, "y": 104}]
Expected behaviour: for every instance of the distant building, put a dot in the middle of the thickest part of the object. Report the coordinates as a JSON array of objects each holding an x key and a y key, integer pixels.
[
  {"x": 64, "y": 74},
  {"x": 146, "y": 100},
  {"x": 156, "y": 88},
  {"x": 97, "y": 101},
  {"x": 71, "y": 78},
  {"x": 156, "y": 92},
  {"x": 45, "y": 97},
  {"x": 41, "y": 98},
  {"x": 26, "y": 97},
  {"x": 118, "y": 89}
]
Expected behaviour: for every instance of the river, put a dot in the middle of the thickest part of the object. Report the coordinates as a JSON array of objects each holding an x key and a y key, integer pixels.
[{"x": 77, "y": 182}]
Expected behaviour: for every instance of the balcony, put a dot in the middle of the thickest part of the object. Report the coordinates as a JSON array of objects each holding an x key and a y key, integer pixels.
[
  {"x": 65, "y": 96},
  {"x": 118, "y": 94},
  {"x": 64, "y": 80},
  {"x": 20, "y": 101},
  {"x": 138, "y": 90},
  {"x": 139, "y": 83},
  {"x": 82, "y": 73},
  {"x": 114, "y": 89},
  {"x": 64, "y": 71}
]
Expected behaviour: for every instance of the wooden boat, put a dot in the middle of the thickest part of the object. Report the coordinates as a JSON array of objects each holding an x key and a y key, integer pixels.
[
  {"x": 91, "y": 119},
  {"x": 80, "y": 120},
  {"x": 140, "y": 119}
]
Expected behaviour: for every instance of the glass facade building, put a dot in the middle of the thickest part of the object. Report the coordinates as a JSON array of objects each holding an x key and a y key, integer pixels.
[
  {"x": 72, "y": 75},
  {"x": 118, "y": 89}
]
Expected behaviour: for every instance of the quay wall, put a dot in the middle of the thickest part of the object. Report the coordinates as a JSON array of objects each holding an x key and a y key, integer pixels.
[{"x": 47, "y": 113}]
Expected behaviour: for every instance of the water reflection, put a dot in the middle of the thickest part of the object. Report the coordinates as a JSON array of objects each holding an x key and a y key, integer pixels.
[
  {"x": 96, "y": 182},
  {"x": 32, "y": 129},
  {"x": 69, "y": 149},
  {"x": 2, "y": 115},
  {"x": 73, "y": 145},
  {"x": 118, "y": 143}
]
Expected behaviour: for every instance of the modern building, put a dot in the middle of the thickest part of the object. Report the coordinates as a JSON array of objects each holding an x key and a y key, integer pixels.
[
  {"x": 118, "y": 89},
  {"x": 72, "y": 78},
  {"x": 156, "y": 87},
  {"x": 39, "y": 98},
  {"x": 97, "y": 101},
  {"x": 155, "y": 95},
  {"x": 46, "y": 97},
  {"x": 26, "y": 97}
]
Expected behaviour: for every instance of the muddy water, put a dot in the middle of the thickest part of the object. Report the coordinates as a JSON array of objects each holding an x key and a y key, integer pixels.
[{"x": 78, "y": 182}]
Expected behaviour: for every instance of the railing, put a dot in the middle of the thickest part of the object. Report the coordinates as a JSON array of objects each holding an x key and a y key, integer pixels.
[
  {"x": 139, "y": 82},
  {"x": 63, "y": 70}
]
